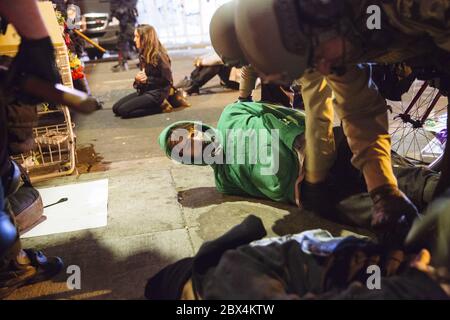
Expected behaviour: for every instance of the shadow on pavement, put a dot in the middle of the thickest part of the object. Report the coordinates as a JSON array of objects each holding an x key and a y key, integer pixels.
[
  {"x": 296, "y": 221},
  {"x": 104, "y": 274}
]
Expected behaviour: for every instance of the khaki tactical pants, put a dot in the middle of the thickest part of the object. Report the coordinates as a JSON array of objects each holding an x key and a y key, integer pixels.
[{"x": 364, "y": 117}]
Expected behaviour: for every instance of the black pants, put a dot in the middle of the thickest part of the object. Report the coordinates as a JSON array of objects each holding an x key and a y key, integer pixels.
[
  {"x": 125, "y": 41},
  {"x": 139, "y": 105},
  {"x": 201, "y": 75}
]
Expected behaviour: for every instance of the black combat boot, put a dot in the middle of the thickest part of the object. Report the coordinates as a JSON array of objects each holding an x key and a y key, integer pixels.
[
  {"x": 121, "y": 66},
  {"x": 318, "y": 198},
  {"x": 31, "y": 266}
]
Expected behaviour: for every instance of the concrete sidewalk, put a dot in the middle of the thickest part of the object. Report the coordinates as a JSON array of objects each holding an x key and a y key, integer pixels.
[{"x": 158, "y": 211}]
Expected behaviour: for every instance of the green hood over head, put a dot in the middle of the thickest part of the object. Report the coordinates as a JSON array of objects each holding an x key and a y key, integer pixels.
[{"x": 163, "y": 137}]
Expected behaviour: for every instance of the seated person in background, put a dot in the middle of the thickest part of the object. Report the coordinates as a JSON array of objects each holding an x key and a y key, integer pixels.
[
  {"x": 206, "y": 68},
  {"x": 249, "y": 161},
  {"x": 153, "y": 83}
]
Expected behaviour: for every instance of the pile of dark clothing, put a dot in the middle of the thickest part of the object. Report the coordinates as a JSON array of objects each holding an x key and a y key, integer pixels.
[{"x": 233, "y": 267}]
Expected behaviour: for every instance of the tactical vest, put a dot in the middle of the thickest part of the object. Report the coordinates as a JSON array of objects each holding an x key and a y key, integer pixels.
[{"x": 388, "y": 45}]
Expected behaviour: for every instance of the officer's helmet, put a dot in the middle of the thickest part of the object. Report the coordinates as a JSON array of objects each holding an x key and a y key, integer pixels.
[
  {"x": 277, "y": 37},
  {"x": 223, "y": 36},
  {"x": 270, "y": 37}
]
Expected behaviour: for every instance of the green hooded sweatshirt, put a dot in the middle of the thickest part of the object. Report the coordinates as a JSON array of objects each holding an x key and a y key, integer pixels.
[{"x": 263, "y": 167}]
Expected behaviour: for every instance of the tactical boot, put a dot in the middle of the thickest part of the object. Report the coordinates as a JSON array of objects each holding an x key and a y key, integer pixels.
[
  {"x": 120, "y": 67},
  {"x": 317, "y": 197},
  {"x": 31, "y": 266}
]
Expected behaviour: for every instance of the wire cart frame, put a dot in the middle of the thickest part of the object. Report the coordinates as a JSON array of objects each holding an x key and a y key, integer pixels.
[{"x": 55, "y": 153}]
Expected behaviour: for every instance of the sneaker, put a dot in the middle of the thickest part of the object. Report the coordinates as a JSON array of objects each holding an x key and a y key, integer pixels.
[
  {"x": 186, "y": 82},
  {"x": 32, "y": 267},
  {"x": 120, "y": 67}
]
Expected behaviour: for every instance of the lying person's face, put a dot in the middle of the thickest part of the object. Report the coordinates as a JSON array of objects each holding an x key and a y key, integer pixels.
[{"x": 188, "y": 143}]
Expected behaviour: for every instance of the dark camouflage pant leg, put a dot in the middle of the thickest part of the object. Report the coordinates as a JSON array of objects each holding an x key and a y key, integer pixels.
[
  {"x": 430, "y": 17},
  {"x": 12, "y": 253},
  {"x": 125, "y": 41},
  {"x": 434, "y": 13},
  {"x": 6, "y": 257}
]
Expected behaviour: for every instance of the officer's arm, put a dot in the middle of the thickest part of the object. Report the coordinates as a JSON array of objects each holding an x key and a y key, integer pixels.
[
  {"x": 36, "y": 55},
  {"x": 247, "y": 83},
  {"x": 25, "y": 16}
]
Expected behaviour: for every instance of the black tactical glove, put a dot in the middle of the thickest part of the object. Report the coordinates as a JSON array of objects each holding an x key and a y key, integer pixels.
[
  {"x": 35, "y": 58},
  {"x": 317, "y": 197},
  {"x": 393, "y": 214}
]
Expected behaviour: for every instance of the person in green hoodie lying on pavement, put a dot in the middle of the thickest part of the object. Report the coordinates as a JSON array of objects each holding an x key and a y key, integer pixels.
[
  {"x": 258, "y": 150},
  {"x": 252, "y": 151}
]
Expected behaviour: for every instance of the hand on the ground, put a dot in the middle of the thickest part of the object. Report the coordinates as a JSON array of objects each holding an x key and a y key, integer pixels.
[
  {"x": 393, "y": 214},
  {"x": 390, "y": 204}
]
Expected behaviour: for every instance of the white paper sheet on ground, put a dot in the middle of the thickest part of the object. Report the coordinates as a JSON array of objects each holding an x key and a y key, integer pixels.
[
  {"x": 86, "y": 208},
  {"x": 433, "y": 149},
  {"x": 436, "y": 125}
]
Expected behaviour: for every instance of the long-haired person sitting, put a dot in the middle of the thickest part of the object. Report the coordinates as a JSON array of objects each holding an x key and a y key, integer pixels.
[{"x": 153, "y": 82}]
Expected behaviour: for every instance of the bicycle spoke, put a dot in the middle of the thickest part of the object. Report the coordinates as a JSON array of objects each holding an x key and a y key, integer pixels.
[
  {"x": 416, "y": 142},
  {"x": 414, "y": 139},
  {"x": 431, "y": 143},
  {"x": 403, "y": 134},
  {"x": 409, "y": 147}
]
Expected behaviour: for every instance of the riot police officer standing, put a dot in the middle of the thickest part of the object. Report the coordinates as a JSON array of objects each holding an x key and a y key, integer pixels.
[{"x": 125, "y": 11}]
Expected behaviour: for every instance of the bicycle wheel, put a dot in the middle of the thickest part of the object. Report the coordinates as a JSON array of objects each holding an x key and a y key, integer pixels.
[{"x": 418, "y": 124}]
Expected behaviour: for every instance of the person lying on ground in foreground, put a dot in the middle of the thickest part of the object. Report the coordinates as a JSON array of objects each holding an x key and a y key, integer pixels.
[
  {"x": 258, "y": 150},
  {"x": 313, "y": 265}
]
